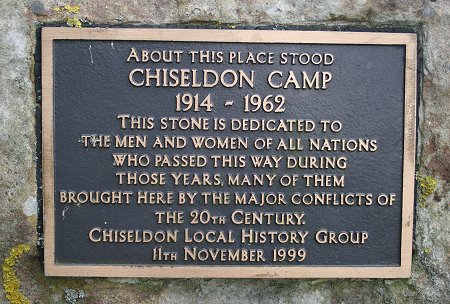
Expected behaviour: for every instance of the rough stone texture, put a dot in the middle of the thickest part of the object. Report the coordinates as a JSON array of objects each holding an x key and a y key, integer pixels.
[{"x": 430, "y": 279}]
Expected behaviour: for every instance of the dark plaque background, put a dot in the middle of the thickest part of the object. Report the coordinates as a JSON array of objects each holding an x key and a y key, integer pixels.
[{"x": 366, "y": 94}]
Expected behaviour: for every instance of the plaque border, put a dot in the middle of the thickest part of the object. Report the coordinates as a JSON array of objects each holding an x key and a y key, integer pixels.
[{"x": 409, "y": 40}]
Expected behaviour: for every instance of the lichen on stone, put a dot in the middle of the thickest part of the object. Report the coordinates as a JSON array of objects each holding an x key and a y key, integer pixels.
[
  {"x": 72, "y": 8},
  {"x": 11, "y": 283},
  {"x": 67, "y": 8},
  {"x": 74, "y": 21},
  {"x": 71, "y": 296},
  {"x": 71, "y": 11},
  {"x": 427, "y": 185}
]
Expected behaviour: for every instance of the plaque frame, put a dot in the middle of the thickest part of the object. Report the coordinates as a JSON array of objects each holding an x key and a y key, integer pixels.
[{"x": 409, "y": 40}]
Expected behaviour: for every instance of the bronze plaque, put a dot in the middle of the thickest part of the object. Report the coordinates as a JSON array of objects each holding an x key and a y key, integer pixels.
[{"x": 228, "y": 153}]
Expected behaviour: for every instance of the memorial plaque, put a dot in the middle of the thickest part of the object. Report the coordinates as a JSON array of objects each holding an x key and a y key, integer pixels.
[{"x": 228, "y": 153}]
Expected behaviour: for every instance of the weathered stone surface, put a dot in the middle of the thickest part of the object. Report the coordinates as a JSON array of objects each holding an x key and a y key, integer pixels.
[{"x": 430, "y": 280}]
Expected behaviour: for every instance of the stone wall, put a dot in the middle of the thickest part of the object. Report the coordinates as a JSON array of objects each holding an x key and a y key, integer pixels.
[{"x": 19, "y": 107}]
